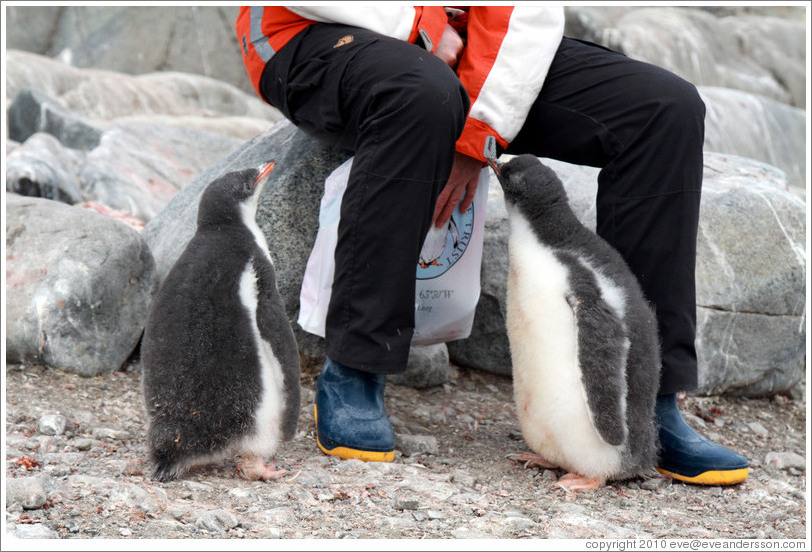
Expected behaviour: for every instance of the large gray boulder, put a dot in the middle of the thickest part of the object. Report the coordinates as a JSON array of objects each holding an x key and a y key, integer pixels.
[
  {"x": 757, "y": 49},
  {"x": 97, "y": 97},
  {"x": 750, "y": 278},
  {"x": 78, "y": 286},
  {"x": 751, "y": 274},
  {"x": 754, "y": 52},
  {"x": 135, "y": 168},
  {"x": 133, "y": 39},
  {"x": 33, "y": 111},
  {"x": 756, "y": 127},
  {"x": 41, "y": 167}
]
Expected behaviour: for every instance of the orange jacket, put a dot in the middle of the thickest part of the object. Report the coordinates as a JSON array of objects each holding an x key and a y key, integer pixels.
[{"x": 507, "y": 54}]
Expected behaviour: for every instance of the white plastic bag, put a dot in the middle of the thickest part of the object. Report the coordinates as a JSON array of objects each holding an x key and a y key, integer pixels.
[{"x": 447, "y": 275}]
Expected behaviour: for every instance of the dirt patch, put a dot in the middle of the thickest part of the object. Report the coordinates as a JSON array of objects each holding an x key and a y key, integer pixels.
[{"x": 75, "y": 468}]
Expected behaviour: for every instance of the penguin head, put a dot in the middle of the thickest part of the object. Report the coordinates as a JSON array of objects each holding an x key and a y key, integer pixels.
[
  {"x": 232, "y": 195},
  {"x": 530, "y": 185}
]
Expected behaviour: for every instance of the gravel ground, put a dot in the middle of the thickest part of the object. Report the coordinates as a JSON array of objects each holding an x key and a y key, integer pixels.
[{"x": 75, "y": 469}]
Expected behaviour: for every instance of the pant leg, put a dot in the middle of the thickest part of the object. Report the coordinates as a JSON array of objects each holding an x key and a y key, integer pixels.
[
  {"x": 644, "y": 127},
  {"x": 400, "y": 110}
]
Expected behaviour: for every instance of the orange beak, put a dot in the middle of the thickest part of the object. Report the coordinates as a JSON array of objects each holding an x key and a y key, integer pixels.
[{"x": 265, "y": 171}]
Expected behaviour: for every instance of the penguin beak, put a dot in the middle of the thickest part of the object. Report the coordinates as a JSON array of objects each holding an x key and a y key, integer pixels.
[
  {"x": 262, "y": 178},
  {"x": 497, "y": 169},
  {"x": 496, "y": 166}
]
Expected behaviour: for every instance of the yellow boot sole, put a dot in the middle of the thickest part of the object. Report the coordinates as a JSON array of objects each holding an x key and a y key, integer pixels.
[
  {"x": 347, "y": 453},
  {"x": 726, "y": 477}
]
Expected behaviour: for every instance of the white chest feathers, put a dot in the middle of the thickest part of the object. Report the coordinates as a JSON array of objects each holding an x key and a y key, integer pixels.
[
  {"x": 268, "y": 415},
  {"x": 551, "y": 400},
  {"x": 248, "y": 214}
]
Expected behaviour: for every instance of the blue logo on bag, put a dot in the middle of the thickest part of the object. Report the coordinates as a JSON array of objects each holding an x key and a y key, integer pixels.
[{"x": 445, "y": 246}]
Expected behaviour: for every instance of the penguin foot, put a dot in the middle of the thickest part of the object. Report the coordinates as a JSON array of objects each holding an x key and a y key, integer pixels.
[
  {"x": 531, "y": 460},
  {"x": 253, "y": 468},
  {"x": 574, "y": 482}
]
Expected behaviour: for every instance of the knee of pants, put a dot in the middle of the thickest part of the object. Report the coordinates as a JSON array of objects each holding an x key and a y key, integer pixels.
[
  {"x": 680, "y": 104},
  {"x": 430, "y": 100}
]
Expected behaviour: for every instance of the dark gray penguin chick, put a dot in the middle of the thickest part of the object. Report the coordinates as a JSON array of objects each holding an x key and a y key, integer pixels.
[
  {"x": 583, "y": 339},
  {"x": 220, "y": 361}
]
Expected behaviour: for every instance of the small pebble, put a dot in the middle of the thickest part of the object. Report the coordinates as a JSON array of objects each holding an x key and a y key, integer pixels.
[
  {"x": 520, "y": 523},
  {"x": 26, "y": 491},
  {"x": 654, "y": 483},
  {"x": 406, "y": 504},
  {"x": 83, "y": 444},
  {"x": 784, "y": 460},
  {"x": 241, "y": 494},
  {"x": 462, "y": 478},
  {"x": 35, "y": 531},
  {"x": 52, "y": 424},
  {"x": 110, "y": 433},
  {"x": 409, "y": 445},
  {"x": 178, "y": 513},
  {"x": 216, "y": 521},
  {"x": 758, "y": 428}
]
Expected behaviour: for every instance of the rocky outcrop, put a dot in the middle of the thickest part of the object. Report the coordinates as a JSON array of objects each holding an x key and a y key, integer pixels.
[
  {"x": 751, "y": 274},
  {"x": 761, "y": 52},
  {"x": 78, "y": 287},
  {"x": 135, "y": 168},
  {"x": 44, "y": 168},
  {"x": 133, "y": 40},
  {"x": 753, "y": 126},
  {"x": 95, "y": 98},
  {"x": 759, "y": 49}
]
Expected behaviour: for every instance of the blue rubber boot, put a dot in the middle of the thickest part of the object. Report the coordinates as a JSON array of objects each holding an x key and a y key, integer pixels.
[
  {"x": 688, "y": 456},
  {"x": 351, "y": 420}
]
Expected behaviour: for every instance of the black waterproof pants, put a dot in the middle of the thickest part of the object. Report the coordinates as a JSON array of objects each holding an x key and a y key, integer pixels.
[{"x": 399, "y": 109}]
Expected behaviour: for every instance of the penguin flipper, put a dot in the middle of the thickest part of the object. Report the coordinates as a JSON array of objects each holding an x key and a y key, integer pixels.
[
  {"x": 603, "y": 347},
  {"x": 275, "y": 328}
]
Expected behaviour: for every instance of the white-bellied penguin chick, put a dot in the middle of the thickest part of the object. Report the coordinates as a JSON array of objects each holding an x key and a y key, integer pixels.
[{"x": 583, "y": 339}]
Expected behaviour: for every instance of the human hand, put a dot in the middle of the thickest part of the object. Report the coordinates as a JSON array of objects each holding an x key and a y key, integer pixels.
[
  {"x": 462, "y": 181},
  {"x": 450, "y": 46}
]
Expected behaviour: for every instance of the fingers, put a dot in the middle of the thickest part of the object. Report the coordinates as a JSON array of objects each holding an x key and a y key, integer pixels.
[
  {"x": 444, "y": 210},
  {"x": 470, "y": 192},
  {"x": 460, "y": 189},
  {"x": 450, "y": 46},
  {"x": 455, "y": 193}
]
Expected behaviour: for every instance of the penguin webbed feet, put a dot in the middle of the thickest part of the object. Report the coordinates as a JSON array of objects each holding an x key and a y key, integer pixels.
[
  {"x": 163, "y": 474},
  {"x": 253, "y": 468},
  {"x": 532, "y": 460},
  {"x": 571, "y": 482}
]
